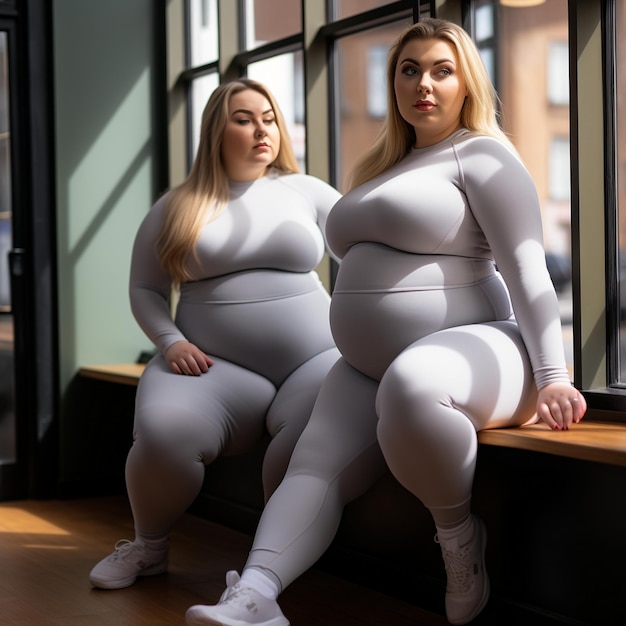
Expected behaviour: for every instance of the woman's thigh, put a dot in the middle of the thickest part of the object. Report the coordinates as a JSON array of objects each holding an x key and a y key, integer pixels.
[
  {"x": 220, "y": 411},
  {"x": 340, "y": 440},
  {"x": 483, "y": 370}
]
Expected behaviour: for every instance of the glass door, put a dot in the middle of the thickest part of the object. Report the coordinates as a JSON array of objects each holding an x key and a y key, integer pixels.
[
  {"x": 7, "y": 385},
  {"x": 28, "y": 356}
]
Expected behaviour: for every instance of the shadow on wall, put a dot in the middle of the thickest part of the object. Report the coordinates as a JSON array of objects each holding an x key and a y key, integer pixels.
[{"x": 106, "y": 79}]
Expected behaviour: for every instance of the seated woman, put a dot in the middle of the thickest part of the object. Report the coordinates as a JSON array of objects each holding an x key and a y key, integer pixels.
[{"x": 250, "y": 344}]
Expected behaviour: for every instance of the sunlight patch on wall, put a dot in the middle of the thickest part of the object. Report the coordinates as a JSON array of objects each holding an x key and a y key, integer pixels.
[{"x": 95, "y": 183}]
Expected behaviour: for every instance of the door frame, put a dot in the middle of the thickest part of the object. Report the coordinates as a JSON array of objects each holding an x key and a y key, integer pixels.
[{"x": 33, "y": 272}]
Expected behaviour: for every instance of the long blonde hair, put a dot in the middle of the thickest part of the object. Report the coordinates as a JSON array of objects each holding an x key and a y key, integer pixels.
[
  {"x": 479, "y": 113},
  {"x": 203, "y": 195}
]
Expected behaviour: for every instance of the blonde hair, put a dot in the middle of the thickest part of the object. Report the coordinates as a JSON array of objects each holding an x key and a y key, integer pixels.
[
  {"x": 479, "y": 113},
  {"x": 203, "y": 195}
]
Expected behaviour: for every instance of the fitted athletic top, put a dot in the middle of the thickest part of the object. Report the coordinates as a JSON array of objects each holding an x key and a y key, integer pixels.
[
  {"x": 264, "y": 246},
  {"x": 420, "y": 244}
]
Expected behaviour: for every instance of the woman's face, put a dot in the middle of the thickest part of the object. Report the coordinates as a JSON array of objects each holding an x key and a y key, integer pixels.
[
  {"x": 430, "y": 89},
  {"x": 251, "y": 137}
]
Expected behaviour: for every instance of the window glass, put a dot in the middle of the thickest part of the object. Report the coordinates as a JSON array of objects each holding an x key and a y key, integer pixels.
[
  {"x": 620, "y": 97},
  {"x": 559, "y": 169},
  {"x": 558, "y": 73},
  {"x": 376, "y": 78},
  {"x": 362, "y": 87},
  {"x": 531, "y": 48},
  {"x": 203, "y": 31},
  {"x": 347, "y": 8},
  {"x": 271, "y": 20},
  {"x": 5, "y": 166},
  {"x": 8, "y": 448},
  {"x": 201, "y": 89},
  {"x": 283, "y": 75}
]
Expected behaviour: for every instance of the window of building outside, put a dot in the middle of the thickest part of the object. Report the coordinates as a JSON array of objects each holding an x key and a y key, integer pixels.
[
  {"x": 376, "y": 77},
  {"x": 558, "y": 169},
  {"x": 271, "y": 20},
  {"x": 531, "y": 49},
  {"x": 283, "y": 75},
  {"x": 361, "y": 97},
  {"x": 348, "y": 8},
  {"x": 203, "y": 32},
  {"x": 620, "y": 159},
  {"x": 557, "y": 77}
]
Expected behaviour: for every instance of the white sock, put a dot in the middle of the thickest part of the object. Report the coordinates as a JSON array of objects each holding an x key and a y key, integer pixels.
[
  {"x": 462, "y": 532},
  {"x": 256, "y": 579},
  {"x": 154, "y": 544}
]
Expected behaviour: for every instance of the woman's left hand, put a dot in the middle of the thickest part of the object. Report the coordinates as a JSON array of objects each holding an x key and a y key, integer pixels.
[{"x": 560, "y": 405}]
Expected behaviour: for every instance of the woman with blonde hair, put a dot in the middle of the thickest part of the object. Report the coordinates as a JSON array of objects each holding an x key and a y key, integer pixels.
[
  {"x": 250, "y": 343},
  {"x": 447, "y": 323}
]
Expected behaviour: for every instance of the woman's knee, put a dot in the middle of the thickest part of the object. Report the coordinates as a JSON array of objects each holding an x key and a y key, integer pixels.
[{"x": 174, "y": 431}]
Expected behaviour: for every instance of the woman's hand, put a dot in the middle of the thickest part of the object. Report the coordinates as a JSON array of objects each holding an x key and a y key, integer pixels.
[
  {"x": 560, "y": 405},
  {"x": 183, "y": 357}
]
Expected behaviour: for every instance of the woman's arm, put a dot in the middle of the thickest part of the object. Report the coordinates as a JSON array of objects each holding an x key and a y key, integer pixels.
[{"x": 504, "y": 201}]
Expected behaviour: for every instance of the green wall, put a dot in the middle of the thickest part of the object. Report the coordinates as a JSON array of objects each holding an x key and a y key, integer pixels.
[{"x": 106, "y": 155}]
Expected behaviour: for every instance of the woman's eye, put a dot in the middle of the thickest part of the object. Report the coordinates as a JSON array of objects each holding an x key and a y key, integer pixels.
[
  {"x": 410, "y": 71},
  {"x": 269, "y": 122}
]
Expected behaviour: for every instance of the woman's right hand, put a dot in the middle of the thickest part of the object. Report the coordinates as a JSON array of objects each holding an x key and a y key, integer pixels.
[{"x": 185, "y": 358}]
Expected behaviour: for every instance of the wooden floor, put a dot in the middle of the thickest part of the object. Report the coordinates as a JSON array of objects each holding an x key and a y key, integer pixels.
[{"x": 48, "y": 547}]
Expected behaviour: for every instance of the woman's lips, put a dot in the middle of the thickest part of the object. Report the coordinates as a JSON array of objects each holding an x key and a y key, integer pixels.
[{"x": 424, "y": 105}]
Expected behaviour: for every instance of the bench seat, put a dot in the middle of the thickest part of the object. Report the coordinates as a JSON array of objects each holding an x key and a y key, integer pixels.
[{"x": 602, "y": 442}]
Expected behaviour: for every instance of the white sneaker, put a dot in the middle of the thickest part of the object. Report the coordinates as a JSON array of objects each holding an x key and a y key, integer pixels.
[
  {"x": 129, "y": 560},
  {"x": 467, "y": 590},
  {"x": 238, "y": 606}
]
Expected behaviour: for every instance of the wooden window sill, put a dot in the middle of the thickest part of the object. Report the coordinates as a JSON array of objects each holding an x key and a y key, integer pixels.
[
  {"x": 122, "y": 373},
  {"x": 602, "y": 442}
]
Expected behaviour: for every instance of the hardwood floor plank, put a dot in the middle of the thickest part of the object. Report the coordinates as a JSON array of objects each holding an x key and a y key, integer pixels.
[{"x": 49, "y": 547}]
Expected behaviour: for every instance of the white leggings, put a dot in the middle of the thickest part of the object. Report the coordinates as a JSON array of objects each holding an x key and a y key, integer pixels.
[{"x": 423, "y": 414}]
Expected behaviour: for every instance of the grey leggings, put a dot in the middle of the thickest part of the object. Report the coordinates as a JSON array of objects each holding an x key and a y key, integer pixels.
[
  {"x": 425, "y": 412},
  {"x": 281, "y": 350}
]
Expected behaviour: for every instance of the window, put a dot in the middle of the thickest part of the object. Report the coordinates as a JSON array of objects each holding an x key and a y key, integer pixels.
[
  {"x": 8, "y": 442},
  {"x": 620, "y": 175},
  {"x": 271, "y": 20},
  {"x": 203, "y": 35},
  {"x": 532, "y": 76},
  {"x": 558, "y": 169},
  {"x": 557, "y": 82},
  {"x": 377, "y": 80},
  {"x": 330, "y": 82},
  {"x": 348, "y": 8},
  {"x": 202, "y": 51},
  {"x": 361, "y": 96},
  {"x": 284, "y": 77},
  {"x": 484, "y": 36},
  {"x": 200, "y": 91}
]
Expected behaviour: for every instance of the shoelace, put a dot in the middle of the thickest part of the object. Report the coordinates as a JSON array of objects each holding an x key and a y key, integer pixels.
[
  {"x": 460, "y": 568},
  {"x": 123, "y": 547},
  {"x": 240, "y": 595}
]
